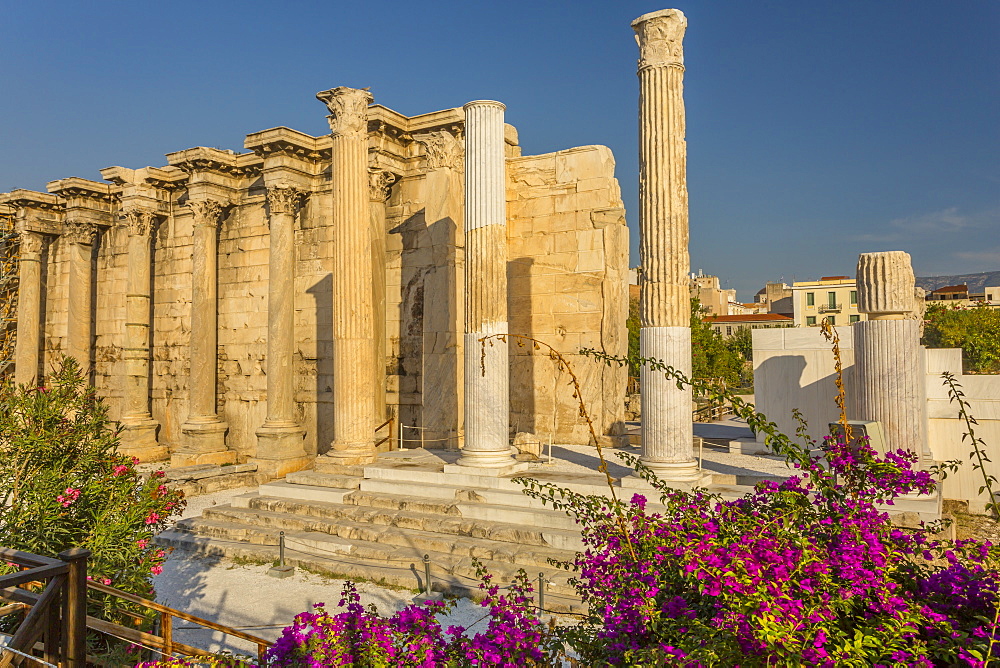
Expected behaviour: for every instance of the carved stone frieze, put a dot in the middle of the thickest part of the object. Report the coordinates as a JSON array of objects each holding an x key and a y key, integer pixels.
[
  {"x": 206, "y": 211},
  {"x": 79, "y": 232},
  {"x": 379, "y": 184},
  {"x": 660, "y": 37},
  {"x": 444, "y": 150},
  {"x": 139, "y": 221},
  {"x": 31, "y": 242},
  {"x": 284, "y": 199},
  {"x": 348, "y": 109}
]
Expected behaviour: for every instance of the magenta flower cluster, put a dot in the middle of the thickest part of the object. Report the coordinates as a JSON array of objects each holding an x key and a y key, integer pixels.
[{"x": 413, "y": 637}]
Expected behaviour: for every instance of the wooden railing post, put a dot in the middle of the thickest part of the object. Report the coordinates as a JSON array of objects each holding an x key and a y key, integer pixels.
[
  {"x": 75, "y": 608},
  {"x": 167, "y": 633}
]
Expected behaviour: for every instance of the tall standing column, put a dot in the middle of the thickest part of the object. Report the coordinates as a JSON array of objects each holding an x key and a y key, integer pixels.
[
  {"x": 139, "y": 436},
  {"x": 888, "y": 366},
  {"x": 667, "y": 436},
  {"x": 280, "y": 445},
  {"x": 80, "y": 239},
  {"x": 487, "y": 391},
  {"x": 204, "y": 431},
  {"x": 29, "y": 309},
  {"x": 379, "y": 184},
  {"x": 353, "y": 316}
]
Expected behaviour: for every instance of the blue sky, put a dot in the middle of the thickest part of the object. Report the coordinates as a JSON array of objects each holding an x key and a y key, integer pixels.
[{"x": 816, "y": 130}]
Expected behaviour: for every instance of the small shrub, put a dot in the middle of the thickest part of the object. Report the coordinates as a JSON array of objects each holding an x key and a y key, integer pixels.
[{"x": 63, "y": 484}]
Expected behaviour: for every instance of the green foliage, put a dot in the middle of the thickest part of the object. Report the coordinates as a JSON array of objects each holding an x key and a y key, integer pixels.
[
  {"x": 976, "y": 330},
  {"x": 634, "y": 325},
  {"x": 63, "y": 484},
  {"x": 712, "y": 355}
]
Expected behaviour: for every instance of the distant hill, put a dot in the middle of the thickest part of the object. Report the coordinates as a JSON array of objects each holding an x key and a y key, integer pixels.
[{"x": 976, "y": 282}]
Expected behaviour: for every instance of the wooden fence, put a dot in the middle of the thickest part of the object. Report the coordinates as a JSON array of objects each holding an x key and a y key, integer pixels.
[{"x": 51, "y": 594}]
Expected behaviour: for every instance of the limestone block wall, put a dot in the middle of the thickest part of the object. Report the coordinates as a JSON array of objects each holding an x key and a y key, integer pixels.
[
  {"x": 567, "y": 282},
  {"x": 794, "y": 368},
  {"x": 568, "y": 247},
  {"x": 945, "y": 429}
]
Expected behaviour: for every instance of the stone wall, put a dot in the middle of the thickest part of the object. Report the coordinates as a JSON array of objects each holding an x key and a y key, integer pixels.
[
  {"x": 568, "y": 247},
  {"x": 567, "y": 278}
]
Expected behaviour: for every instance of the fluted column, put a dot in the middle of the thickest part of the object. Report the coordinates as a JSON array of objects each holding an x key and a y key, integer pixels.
[
  {"x": 204, "y": 432},
  {"x": 280, "y": 445},
  {"x": 80, "y": 239},
  {"x": 139, "y": 436},
  {"x": 353, "y": 316},
  {"x": 29, "y": 309},
  {"x": 487, "y": 391},
  {"x": 888, "y": 361},
  {"x": 379, "y": 184},
  {"x": 667, "y": 436}
]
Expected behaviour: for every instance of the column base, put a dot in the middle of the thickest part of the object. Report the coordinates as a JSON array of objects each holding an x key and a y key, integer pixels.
[
  {"x": 280, "y": 450},
  {"x": 204, "y": 443},
  {"x": 351, "y": 454},
  {"x": 138, "y": 439},
  {"x": 489, "y": 459}
]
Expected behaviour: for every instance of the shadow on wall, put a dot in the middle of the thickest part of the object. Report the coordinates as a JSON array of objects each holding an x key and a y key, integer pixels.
[
  {"x": 523, "y": 362},
  {"x": 322, "y": 294}
]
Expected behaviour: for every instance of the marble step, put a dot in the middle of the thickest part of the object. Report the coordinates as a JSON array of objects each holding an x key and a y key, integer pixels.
[
  {"x": 263, "y": 528},
  {"x": 331, "y": 480},
  {"x": 520, "y": 515},
  {"x": 454, "y": 525},
  {"x": 451, "y": 574}
]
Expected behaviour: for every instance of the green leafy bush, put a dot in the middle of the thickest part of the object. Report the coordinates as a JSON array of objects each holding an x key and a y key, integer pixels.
[
  {"x": 63, "y": 484},
  {"x": 976, "y": 330}
]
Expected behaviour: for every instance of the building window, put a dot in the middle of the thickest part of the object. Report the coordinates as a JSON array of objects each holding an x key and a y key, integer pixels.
[
  {"x": 831, "y": 298},
  {"x": 810, "y": 299},
  {"x": 832, "y": 319},
  {"x": 854, "y": 297},
  {"x": 855, "y": 318},
  {"x": 729, "y": 331},
  {"x": 810, "y": 320}
]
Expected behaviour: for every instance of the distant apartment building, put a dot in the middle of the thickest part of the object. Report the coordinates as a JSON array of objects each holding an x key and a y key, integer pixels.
[
  {"x": 714, "y": 299},
  {"x": 777, "y": 298},
  {"x": 992, "y": 295},
  {"x": 959, "y": 295},
  {"x": 728, "y": 325},
  {"x": 831, "y": 297},
  {"x": 949, "y": 293}
]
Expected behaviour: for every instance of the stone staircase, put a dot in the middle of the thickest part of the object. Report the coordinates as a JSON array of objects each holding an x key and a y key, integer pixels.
[{"x": 378, "y": 522}]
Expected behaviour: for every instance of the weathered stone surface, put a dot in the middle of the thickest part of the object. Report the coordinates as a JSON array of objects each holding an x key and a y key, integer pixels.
[{"x": 565, "y": 244}]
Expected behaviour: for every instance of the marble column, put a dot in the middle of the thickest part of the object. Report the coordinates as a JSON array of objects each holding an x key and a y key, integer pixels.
[
  {"x": 487, "y": 391},
  {"x": 379, "y": 184},
  {"x": 29, "y": 309},
  {"x": 204, "y": 432},
  {"x": 139, "y": 435},
  {"x": 354, "y": 382},
  {"x": 888, "y": 360},
  {"x": 665, "y": 334},
  {"x": 79, "y": 237},
  {"x": 280, "y": 440}
]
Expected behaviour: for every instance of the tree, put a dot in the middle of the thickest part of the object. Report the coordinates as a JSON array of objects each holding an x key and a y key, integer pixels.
[{"x": 976, "y": 330}]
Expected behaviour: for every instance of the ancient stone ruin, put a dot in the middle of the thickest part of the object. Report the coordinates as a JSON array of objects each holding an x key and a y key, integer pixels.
[{"x": 279, "y": 304}]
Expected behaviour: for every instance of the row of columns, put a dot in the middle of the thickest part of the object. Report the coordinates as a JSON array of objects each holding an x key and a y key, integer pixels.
[{"x": 665, "y": 333}]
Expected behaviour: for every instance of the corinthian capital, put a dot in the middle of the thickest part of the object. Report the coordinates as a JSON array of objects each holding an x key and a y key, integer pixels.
[
  {"x": 284, "y": 199},
  {"x": 206, "y": 212},
  {"x": 660, "y": 36},
  {"x": 379, "y": 183},
  {"x": 139, "y": 221},
  {"x": 79, "y": 232},
  {"x": 444, "y": 150},
  {"x": 348, "y": 109},
  {"x": 31, "y": 242}
]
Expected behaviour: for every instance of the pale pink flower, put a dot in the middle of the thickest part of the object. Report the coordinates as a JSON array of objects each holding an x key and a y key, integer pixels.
[
  {"x": 142, "y": 543},
  {"x": 153, "y": 518},
  {"x": 121, "y": 469},
  {"x": 156, "y": 570}
]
